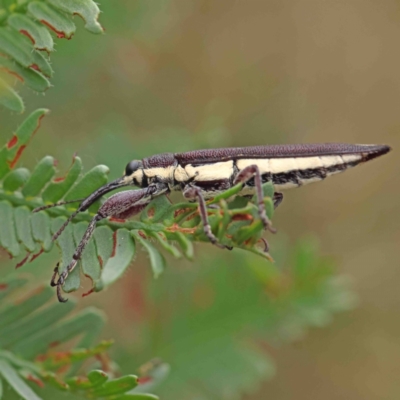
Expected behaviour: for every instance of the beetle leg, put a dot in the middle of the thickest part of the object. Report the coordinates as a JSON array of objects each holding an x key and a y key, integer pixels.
[
  {"x": 55, "y": 273},
  {"x": 277, "y": 199},
  {"x": 76, "y": 256},
  {"x": 130, "y": 212},
  {"x": 194, "y": 193},
  {"x": 130, "y": 201},
  {"x": 247, "y": 173},
  {"x": 266, "y": 245}
]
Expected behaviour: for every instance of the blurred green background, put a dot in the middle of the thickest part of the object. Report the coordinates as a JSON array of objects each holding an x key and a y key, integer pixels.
[{"x": 181, "y": 75}]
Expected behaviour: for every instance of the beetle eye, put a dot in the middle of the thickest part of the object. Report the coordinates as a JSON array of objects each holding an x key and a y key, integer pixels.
[{"x": 132, "y": 167}]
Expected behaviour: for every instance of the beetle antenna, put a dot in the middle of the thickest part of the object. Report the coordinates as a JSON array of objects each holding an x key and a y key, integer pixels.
[
  {"x": 60, "y": 203},
  {"x": 63, "y": 226}
]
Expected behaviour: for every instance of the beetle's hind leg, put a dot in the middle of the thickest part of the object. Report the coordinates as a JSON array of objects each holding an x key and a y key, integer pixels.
[
  {"x": 247, "y": 173},
  {"x": 277, "y": 199}
]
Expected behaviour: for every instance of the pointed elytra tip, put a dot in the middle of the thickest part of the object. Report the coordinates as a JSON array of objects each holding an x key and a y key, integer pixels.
[
  {"x": 384, "y": 148},
  {"x": 377, "y": 151}
]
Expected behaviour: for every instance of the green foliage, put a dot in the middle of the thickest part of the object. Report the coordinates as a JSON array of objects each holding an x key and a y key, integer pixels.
[
  {"x": 32, "y": 328},
  {"x": 218, "y": 317},
  {"x": 114, "y": 244},
  {"x": 220, "y": 322},
  {"x": 26, "y": 40}
]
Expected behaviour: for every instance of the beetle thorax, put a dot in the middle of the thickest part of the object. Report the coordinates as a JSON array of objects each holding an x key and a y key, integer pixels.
[{"x": 159, "y": 174}]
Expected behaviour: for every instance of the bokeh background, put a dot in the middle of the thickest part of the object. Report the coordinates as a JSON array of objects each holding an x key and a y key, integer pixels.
[{"x": 176, "y": 75}]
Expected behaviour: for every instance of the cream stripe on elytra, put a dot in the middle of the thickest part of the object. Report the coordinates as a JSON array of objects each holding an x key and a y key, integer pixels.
[
  {"x": 263, "y": 164},
  {"x": 308, "y": 163},
  {"x": 210, "y": 172},
  {"x": 349, "y": 158},
  {"x": 279, "y": 165},
  {"x": 329, "y": 161}
]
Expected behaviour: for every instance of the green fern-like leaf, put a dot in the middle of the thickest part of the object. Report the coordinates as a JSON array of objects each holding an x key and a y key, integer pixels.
[
  {"x": 32, "y": 333},
  {"x": 27, "y": 29},
  {"x": 217, "y": 324},
  {"x": 114, "y": 244}
]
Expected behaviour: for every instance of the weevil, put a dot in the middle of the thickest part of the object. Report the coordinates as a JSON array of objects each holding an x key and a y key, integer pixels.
[{"x": 201, "y": 174}]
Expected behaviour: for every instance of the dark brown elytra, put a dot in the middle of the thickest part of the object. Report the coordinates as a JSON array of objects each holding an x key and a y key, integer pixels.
[{"x": 279, "y": 151}]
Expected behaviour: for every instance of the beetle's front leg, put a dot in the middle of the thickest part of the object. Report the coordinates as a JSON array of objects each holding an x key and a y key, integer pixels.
[
  {"x": 75, "y": 257},
  {"x": 123, "y": 204}
]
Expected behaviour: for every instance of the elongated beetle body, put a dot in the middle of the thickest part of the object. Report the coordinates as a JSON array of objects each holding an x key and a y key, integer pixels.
[{"x": 202, "y": 174}]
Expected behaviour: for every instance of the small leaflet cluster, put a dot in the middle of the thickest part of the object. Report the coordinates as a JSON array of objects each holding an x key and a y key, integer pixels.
[
  {"x": 26, "y": 41},
  {"x": 32, "y": 330},
  {"x": 173, "y": 227}
]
